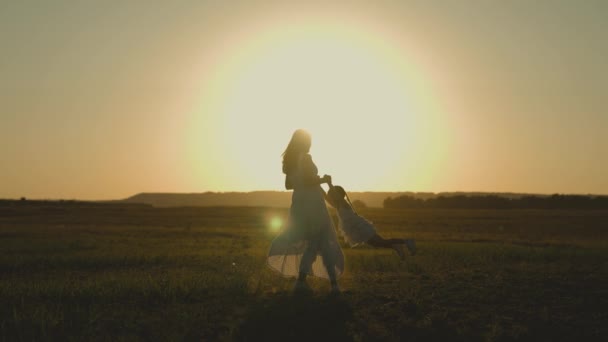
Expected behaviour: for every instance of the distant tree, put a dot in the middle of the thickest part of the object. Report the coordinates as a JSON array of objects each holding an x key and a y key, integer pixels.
[
  {"x": 459, "y": 201},
  {"x": 404, "y": 202}
]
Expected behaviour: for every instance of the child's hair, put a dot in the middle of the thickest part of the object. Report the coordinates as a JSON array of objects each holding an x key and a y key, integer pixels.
[
  {"x": 337, "y": 196},
  {"x": 338, "y": 191}
]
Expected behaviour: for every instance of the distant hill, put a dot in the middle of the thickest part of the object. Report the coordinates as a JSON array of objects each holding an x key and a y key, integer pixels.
[
  {"x": 278, "y": 199},
  {"x": 253, "y": 199}
]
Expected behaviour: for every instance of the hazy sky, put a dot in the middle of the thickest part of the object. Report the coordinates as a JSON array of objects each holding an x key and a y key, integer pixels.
[{"x": 104, "y": 99}]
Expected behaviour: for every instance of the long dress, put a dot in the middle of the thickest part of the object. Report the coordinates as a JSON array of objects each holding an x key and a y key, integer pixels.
[{"x": 308, "y": 242}]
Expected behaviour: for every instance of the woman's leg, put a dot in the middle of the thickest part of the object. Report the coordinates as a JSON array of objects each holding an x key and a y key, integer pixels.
[
  {"x": 309, "y": 256},
  {"x": 330, "y": 265}
]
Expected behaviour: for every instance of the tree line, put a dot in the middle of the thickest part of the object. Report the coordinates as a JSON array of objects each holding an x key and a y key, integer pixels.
[{"x": 556, "y": 201}]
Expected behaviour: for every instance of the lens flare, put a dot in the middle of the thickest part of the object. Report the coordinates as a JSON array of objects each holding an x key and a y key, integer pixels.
[{"x": 275, "y": 224}]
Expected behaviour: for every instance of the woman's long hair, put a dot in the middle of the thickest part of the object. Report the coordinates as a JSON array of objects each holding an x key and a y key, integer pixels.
[{"x": 299, "y": 143}]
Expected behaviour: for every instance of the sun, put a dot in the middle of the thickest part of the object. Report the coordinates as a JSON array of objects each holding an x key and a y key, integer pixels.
[{"x": 359, "y": 96}]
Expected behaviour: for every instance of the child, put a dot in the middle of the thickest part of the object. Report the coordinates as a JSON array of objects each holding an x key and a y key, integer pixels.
[{"x": 357, "y": 230}]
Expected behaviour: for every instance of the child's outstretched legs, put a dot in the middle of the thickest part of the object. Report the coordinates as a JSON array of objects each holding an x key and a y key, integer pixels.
[
  {"x": 395, "y": 244},
  {"x": 380, "y": 242}
]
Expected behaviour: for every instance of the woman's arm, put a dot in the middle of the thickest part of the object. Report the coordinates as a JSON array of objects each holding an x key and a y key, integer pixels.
[
  {"x": 309, "y": 172},
  {"x": 288, "y": 185},
  {"x": 316, "y": 180}
]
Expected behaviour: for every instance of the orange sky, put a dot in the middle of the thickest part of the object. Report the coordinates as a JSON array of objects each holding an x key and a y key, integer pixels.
[{"x": 101, "y": 100}]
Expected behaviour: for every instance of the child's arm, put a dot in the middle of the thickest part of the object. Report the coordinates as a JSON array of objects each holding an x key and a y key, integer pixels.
[
  {"x": 329, "y": 183},
  {"x": 325, "y": 194},
  {"x": 330, "y": 186}
]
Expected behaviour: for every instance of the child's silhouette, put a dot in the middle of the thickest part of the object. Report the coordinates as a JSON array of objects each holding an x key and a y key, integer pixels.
[{"x": 356, "y": 229}]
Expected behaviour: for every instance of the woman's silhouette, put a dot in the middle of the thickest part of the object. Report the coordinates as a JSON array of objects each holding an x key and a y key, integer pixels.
[{"x": 309, "y": 244}]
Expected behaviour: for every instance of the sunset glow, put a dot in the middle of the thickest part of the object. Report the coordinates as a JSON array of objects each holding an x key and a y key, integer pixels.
[
  {"x": 398, "y": 96},
  {"x": 362, "y": 98}
]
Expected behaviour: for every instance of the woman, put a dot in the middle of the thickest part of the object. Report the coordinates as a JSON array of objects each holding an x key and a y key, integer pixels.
[{"x": 309, "y": 244}]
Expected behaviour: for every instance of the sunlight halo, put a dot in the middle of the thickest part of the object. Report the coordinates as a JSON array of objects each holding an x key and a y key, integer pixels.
[{"x": 363, "y": 99}]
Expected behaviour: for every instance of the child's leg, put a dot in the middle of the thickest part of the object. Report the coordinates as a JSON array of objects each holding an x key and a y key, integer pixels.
[
  {"x": 394, "y": 244},
  {"x": 380, "y": 242}
]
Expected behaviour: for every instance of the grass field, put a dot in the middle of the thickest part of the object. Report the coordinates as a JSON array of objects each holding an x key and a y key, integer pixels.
[{"x": 117, "y": 272}]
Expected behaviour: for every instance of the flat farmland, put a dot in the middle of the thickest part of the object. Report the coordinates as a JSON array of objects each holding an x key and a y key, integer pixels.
[{"x": 88, "y": 271}]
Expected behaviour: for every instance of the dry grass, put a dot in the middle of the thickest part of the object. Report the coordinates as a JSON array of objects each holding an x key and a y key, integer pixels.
[{"x": 111, "y": 272}]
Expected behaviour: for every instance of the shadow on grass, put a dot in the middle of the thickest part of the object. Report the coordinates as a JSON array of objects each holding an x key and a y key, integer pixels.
[{"x": 297, "y": 317}]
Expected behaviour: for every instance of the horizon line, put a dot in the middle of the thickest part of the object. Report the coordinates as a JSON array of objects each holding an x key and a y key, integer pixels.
[{"x": 288, "y": 191}]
